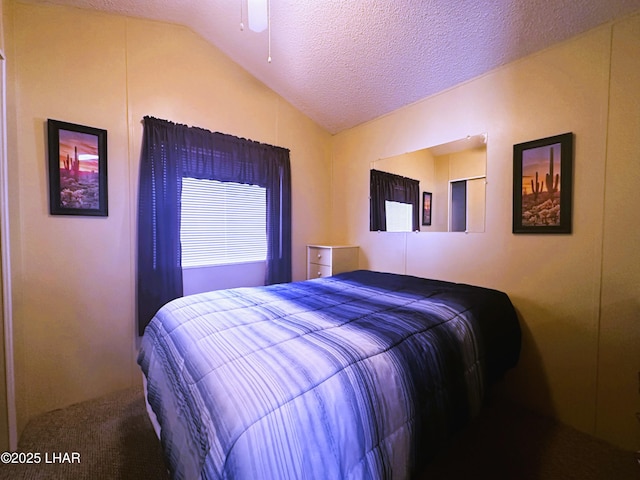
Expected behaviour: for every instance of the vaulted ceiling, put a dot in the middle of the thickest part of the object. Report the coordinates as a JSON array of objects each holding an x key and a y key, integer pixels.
[{"x": 344, "y": 62}]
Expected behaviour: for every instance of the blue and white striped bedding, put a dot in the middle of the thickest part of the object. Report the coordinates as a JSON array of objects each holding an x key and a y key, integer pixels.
[{"x": 357, "y": 376}]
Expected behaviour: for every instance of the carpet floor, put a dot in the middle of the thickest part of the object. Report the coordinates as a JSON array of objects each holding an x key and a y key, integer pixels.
[
  {"x": 112, "y": 438},
  {"x": 112, "y": 435}
]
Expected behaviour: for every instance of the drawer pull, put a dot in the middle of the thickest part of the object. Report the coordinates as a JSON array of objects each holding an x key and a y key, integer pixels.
[{"x": 319, "y": 255}]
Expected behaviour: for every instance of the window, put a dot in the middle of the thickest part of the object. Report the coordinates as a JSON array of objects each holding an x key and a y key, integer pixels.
[
  {"x": 222, "y": 223},
  {"x": 389, "y": 189},
  {"x": 171, "y": 152},
  {"x": 399, "y": 216}
]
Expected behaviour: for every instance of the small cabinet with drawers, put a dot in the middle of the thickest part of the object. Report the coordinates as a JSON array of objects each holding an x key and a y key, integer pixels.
[{"x": 327, "y": 260}]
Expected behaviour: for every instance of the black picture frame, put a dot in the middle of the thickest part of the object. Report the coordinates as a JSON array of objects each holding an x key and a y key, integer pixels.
[
  {"x": 427, "y": 208},
  {"x": 77, "y": 169},
  {"x": 542, "y": 185}
]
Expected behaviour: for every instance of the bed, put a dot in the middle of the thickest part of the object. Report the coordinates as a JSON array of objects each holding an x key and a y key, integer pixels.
[{"x": 363, "y": 375}]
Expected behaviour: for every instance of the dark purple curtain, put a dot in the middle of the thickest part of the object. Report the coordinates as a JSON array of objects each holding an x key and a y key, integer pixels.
[
  {"x": 170, "y": 152},
  {"x": 388, "y": 186}
]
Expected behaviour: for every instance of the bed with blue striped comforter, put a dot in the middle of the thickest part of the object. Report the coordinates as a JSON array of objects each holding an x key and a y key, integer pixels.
[{"x": 358, "y": 376}]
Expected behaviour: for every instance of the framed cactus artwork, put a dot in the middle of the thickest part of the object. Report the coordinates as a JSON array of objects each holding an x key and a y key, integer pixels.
[
  {"x": 77, "y": 169},
  {"x": 542, "y": 185},
  {"x": 426, "y": 208}
]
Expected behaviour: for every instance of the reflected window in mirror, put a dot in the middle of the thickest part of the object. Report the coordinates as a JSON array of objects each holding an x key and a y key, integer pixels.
[
  {"x": 399, "y": 216},
  {"x": 388, "y": 187}
]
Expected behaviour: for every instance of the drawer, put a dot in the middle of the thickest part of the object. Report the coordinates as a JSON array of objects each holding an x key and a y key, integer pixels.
[
  {"x": 321, "y": 256},
  {"x": 315, "y": 270}
]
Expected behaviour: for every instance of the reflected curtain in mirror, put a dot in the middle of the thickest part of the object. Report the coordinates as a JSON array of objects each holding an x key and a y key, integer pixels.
[{"x": 390, "y": 187}]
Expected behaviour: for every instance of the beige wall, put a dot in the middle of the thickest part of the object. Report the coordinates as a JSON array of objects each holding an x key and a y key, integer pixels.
[
  {"x": 619, "y": 341},
  {"x": 577, "y": 295},
  {"x": 74, "y": 277}
]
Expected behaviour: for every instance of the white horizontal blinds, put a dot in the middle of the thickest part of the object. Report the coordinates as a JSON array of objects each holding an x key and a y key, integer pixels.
[
  {"x": 399, "y": 216},
  {"x": 222, "y": 223}
]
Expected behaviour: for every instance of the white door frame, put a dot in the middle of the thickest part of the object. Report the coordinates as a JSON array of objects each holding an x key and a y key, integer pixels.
[{"x": 7, "y": 308}]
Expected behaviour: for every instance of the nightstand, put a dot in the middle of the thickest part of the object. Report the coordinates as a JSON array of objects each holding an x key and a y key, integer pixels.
[{"x": 327, "y": 260}]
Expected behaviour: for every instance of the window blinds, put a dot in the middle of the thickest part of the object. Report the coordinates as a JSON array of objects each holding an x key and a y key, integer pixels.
[
  {"x": 399, "y": 216},
  {"x": 222, "y": 223}
]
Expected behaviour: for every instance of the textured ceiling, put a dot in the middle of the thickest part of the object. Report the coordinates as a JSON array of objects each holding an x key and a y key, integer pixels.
[{"x": 344, "y": 62}]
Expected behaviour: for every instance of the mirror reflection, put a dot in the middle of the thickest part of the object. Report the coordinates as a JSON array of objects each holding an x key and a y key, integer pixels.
[{"x": 436, "y": 189}]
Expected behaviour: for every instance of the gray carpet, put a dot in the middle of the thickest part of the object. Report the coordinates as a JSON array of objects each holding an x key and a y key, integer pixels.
[
  {"x": 115, "y": 440},
  {"x": 112, "y": 434}
]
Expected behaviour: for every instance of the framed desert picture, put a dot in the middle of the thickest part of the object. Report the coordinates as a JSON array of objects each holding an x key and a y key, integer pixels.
[
  {"x": 542, "y": 185},
  {"x": 77, "y": 169},
  {"x": 426, "y": 208}
]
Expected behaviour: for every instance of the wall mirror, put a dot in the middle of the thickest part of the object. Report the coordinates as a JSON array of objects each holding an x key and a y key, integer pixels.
[{"x": 436, "y": 189}]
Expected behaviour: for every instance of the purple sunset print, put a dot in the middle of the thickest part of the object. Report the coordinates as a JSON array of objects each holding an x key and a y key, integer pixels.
[
  {"x": 79, "y": 169},
  {"x": 541, "y": 186}
]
